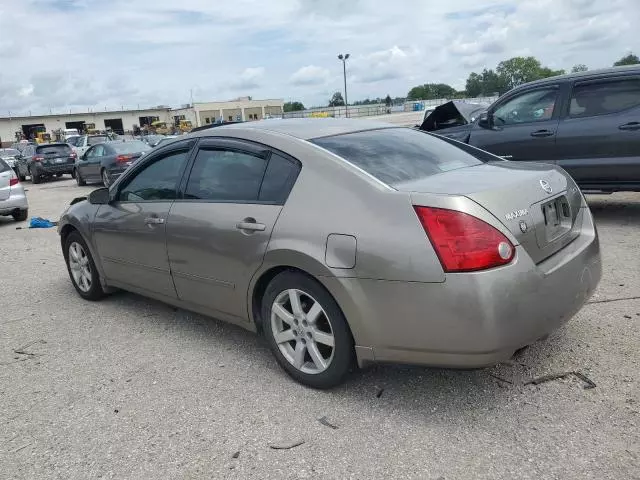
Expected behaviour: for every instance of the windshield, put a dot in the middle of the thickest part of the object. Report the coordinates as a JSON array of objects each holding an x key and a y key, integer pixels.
[
  {"x": 9, "y": 152},
  {"x": 396, "y": 155},
  {"x": 96, "y": 139},
  {"x": 134, "y": 146}
]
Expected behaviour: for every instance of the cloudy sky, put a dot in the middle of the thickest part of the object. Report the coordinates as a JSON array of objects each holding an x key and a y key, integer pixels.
[{"x": 78, "y": 54}]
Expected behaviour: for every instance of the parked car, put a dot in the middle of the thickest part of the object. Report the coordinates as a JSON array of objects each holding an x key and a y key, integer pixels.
[
  {"x": 587, "y": 122},
  {"x": 13, "y": 200},
  {"x": 106, "y": 161},
  {"x": 15, "y": 160},
  {"x": 152, "y": 140},
  {"x": 48, "y": 159},
  {"x": 165, "y": 140},
  {"x": 81, "y": 144},
  {"x": 342, "y": 239}
]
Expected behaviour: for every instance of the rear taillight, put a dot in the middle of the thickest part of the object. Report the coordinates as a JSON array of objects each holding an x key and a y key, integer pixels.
[
  {"x": 123, "y": 158},
  {"x": 463, "y": 242},
  {"x": 73, "y": 155},
  {"x": 13, "y": 181},
  {"x": 37, "y": 158}
]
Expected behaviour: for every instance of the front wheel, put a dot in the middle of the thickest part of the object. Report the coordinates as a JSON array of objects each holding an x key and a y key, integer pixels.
[
  {"x": 81, "y": 267},
  {"x": 79, "y": 180},
  {"x": 306, "y": 330},
  {"x": 105, "y": 178},
  {"x": 21, "y": 216},
  {"x": 58, "y": 175}
]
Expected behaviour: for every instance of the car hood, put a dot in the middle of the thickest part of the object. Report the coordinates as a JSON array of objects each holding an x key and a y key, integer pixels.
[{"x": 452, "y": 114}]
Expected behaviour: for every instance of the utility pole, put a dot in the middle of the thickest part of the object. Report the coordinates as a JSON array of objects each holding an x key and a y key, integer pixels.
[{"x": 344, "y": 58}]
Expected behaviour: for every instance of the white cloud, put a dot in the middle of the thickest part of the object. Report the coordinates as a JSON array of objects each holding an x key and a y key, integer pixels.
[
  {"x": 310, "y": 75},
  {"x": 158, "y": 55}
]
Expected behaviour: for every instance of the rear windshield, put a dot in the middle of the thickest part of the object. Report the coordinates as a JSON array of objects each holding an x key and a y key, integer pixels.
[
  {"x": 129, "y": 147},
  {"x": 97, "y": 139},
  {"x": 397, "y": 155},
  {"x": 62, "y": 149}
]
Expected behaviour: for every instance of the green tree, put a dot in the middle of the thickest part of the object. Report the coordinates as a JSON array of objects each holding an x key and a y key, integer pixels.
[
  {"x": 336, "y": 100},
  {"x": 485, "y": 84},
  {"x": 293, "y": 106},
  {"x": 581, "y": 67},
  {"x": 519, "y": 70},
  {"x": 430, "y": 91},
  {"x": 630, "y": 59}
]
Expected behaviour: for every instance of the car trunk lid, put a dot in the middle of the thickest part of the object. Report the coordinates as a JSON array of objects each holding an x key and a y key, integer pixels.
[{"x": 539, "y": 204}]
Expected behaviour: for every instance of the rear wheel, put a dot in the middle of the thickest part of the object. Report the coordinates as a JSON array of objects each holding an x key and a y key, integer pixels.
[
  {"x": 79, "y": 180},
  {"x": 81, "y": 267},
  {"x": 306, "y": 330},
  {"x": 21, "y": 176},
  {"x": 21, "y": 216},
  {"x": 58, "y": 175}
]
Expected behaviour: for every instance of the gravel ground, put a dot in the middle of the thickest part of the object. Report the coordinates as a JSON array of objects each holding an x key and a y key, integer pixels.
[{"x": 131, "y": 388}]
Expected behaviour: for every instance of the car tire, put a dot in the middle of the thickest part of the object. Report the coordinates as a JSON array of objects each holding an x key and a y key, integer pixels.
[
  {"x": 58, "y": 175},
  {"x": 81, "y": 267},
  {"x": 79, "y": 180},
  {"x": 106, "y": 181},
  {"x": 21, "y": 216},
  {"x": 21, "y": 177},
  {"x": 35, "y": 179},
  {"x": 302, "y": 342}
]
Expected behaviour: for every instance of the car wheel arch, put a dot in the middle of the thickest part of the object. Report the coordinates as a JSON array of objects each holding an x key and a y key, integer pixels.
[{"x": 67, "y": 230}]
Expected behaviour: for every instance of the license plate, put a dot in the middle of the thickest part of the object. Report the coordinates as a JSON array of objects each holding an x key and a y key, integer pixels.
[
  {"x": 59, "y": 160},
  {"x": 557, "y": 217}
]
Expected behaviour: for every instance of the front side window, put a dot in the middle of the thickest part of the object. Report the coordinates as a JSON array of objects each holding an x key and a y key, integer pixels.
[
  {"x": 599, "y": 98},
  {"x": 225, "y": 176},
  {"x": 157, "y": 180},
  {"x": 534, "y": 106},
  {"x": 98, "y": 151}
]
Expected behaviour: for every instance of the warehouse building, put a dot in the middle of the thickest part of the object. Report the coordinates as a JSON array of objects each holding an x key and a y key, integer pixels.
[{"x": 123, "y": 121}]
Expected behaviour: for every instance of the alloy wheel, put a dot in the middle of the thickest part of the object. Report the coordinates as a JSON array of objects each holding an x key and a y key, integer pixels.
[
  {"x": 80, "y": 266},
  {"x": 302, "y": 331},
  {"x": 105, "y": 178}
]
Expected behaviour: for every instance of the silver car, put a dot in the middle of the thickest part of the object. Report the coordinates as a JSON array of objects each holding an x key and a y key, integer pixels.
[
  {"x": 13, "y": 200},
  {"x": 343, "y": 240}
]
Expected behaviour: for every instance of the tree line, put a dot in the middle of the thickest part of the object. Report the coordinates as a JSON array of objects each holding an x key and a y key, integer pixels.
[{"x": 489, "y": 82}]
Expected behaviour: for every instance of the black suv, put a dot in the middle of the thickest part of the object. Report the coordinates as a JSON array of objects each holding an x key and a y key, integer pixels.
[
  {"x": 588, "y": 123},
  {"x": 49, "y": 159}
]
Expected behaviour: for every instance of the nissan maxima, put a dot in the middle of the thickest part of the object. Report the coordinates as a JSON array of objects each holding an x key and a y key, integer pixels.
[{"x": 343, "y": 241}]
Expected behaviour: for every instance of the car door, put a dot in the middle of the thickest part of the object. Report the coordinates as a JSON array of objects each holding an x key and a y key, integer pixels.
[
  {"x": 130, "y": 231},
  {"x": 94, "y": 161},
  {"x": 82, "y": 163},
  {"x": 599, "y": 140},
  {"x": 218, "y": 232},
  {"x": 522, "y": 126}
]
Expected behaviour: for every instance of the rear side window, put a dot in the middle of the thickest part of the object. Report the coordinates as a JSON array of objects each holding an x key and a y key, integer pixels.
[
  {"x": 397, "y": 155},
  {"x": 3, "y": 166},
  {"x": 608, "y": 96},
  {"x": 54, "y": 150},
  {"x": 278, "y": 179},
  {"x": 225, "y": 176}
]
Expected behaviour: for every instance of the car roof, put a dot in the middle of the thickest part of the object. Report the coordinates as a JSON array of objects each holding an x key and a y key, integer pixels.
[
  {"x": 567, "y": 77},
  {"x": 302, "y": 128}
]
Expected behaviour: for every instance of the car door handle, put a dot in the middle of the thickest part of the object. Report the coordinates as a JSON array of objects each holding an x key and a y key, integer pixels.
[
  {"x": 250, "y": 225},
  {"x": 542, "y": 133},
  {"x": 154, "y": 221},
  {"x": 630, "y": 126}
]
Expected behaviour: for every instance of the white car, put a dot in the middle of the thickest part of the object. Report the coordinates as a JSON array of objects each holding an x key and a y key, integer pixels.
[
  {"x": 13, "y": 200},
  {"x": 82, "y": 143},
  {"x": 70, "y": 132}
]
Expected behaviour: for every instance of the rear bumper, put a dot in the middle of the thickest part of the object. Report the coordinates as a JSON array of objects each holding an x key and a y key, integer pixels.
[
  {"x": 51, "y": 169},
  {"x": 17, "y": 201},
  {"x": 472, "y": 319}
]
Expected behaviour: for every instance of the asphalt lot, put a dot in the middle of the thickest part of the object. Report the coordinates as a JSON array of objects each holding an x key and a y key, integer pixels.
[{"x": 130, "y": 388}]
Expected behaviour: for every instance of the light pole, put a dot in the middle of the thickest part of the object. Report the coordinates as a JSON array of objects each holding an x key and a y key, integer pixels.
[{"x": 343, "y": 58}]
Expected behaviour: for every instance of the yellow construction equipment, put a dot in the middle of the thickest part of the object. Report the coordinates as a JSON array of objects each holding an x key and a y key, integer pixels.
[
  {"x": 185, "y": 126},
  {"x": 160, "y": 128}
]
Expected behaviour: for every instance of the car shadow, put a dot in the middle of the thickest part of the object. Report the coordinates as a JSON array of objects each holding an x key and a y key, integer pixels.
[
  {"x": 614, "y": 211},
  {"x": 393, "y": 387}
]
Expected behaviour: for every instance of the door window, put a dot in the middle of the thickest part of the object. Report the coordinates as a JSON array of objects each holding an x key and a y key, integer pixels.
[
  {"x": 157, "y": 180},
  {"x": 599, "y": 98},
  {"x": 225, "y": 176},
  {"x": 98, "y": 151},
  {"x": 534, "y": 106}
]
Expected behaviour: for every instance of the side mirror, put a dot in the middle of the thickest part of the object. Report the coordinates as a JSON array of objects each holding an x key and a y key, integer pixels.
[
  {"x": 485, "y": 120},
  {"x": 100, "y": 196}
]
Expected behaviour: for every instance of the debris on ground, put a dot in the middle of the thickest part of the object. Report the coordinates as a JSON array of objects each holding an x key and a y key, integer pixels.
[
  {"x": 236, "y": 455},
  {"x": 557, "y": 376},
  {"x": 326, "y": 423},
  {"x": 500, "y": 378},
  {"x": 284, "y": 445},
  {"x": 627, "y": 317},
  {"x": 39, "y": 222},
  {"x": 380, "y": 392}
]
